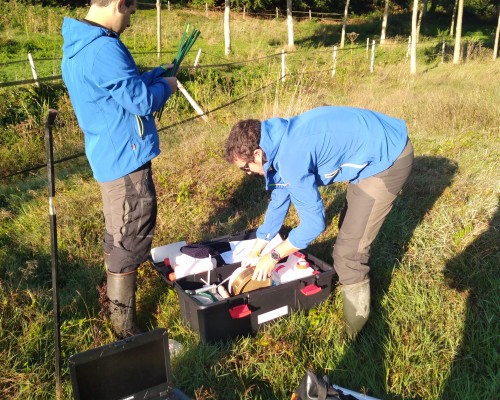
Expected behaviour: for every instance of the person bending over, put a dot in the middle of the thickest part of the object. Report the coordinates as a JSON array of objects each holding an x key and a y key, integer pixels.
[{"x": 322, "y": 146}]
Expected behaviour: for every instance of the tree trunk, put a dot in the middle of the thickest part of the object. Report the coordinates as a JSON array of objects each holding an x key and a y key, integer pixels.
[
  {"x": 289, "y": 20},
  {"x": 413, "y": 50},
  {"x": 227, "y": 31},
  {"x": 452, "y": 27},
  {"x": 384, "y": 22},
  {"x": 342, "y": 38},
  {"x": 158, "y": 28},
  {"x": 458, "y": 36},
  {"x": 419, "y": 20},
  {"x": 495, "y": 47}
]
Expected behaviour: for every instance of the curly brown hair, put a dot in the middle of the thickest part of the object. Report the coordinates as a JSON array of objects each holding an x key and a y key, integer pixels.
[{"x": 243, "y": 140}]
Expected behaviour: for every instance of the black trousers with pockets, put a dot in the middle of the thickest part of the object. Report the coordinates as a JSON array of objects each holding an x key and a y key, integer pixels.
[{"x": 130, "y": 209}]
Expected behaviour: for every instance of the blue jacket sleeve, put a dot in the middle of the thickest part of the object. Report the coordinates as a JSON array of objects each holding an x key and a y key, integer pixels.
[
  {"x": 309, "y": 205},
  {"x": 119, "y": 75},
  {"x": 275, "y": 214},
  {"x": 304, "y": 195}
]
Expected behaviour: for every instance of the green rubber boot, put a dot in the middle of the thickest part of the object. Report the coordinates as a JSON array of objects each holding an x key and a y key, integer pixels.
[
  {"x": 121, "y": 295},
  {"x": 105, "y": 257},
  {"x": 356, "y": 307}
]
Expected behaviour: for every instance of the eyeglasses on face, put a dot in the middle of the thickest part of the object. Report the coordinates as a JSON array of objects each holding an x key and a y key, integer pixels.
[{"x": 246, "y": 168}]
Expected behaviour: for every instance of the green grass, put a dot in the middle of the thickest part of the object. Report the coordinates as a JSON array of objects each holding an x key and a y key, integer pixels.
[{"x": 434, "y": 327}]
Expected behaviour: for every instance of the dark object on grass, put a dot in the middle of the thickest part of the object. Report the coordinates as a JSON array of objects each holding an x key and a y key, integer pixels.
[{"x": 312, "y": 387}]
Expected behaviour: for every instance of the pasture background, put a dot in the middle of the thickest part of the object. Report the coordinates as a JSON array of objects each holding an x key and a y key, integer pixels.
[{"x": 434, "y": 328}]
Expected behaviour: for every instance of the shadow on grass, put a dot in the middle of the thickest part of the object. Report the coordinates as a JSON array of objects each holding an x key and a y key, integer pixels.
[
  {"x": 474, "y": 273},
  {"x": 363, "y": 364},
  {"x": 364, "y": 359},
  {"x": 247, "y": 203}
]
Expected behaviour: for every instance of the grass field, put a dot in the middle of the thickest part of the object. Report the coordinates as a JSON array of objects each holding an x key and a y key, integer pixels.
[{"x": 434, "y": 328}]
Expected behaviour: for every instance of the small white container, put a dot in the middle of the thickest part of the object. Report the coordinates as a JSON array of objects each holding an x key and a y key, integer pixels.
[{"x": 295, "y": 267}]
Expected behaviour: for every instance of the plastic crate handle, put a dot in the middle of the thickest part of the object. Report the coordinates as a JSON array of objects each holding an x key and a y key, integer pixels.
[
  {"x": 240, "y": 311},
  {"x": 310, "y": 290}
]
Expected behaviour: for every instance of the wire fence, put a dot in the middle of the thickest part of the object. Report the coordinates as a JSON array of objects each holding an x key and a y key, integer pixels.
[
  {"x": 201, "y": 66},
  {"x": 276, "y": 13},
  {"x": 334, "y": 50},
  {"x": 204, "y": 114}
]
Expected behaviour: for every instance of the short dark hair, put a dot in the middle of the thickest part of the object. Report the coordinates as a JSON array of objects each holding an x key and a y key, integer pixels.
[{"x": 243, "y": 140}]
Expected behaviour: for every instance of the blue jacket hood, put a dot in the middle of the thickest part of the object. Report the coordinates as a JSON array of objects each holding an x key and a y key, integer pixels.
[
  {"x": 113, "y": 102},
  {"x": 77, "y": 36}
]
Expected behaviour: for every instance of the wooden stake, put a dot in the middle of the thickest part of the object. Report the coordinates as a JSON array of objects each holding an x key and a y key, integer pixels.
[
  {"x": 442, "y": 48},
  {"x": 158, "y": 28},
  {"x": 193, "y": 103},
  {"x": 282, "y": 65},
  {"x": 33, "y": 69},
  {"x": 197, "y": 58},
  {"x": 372, "y": 62},
  {"x": 334, "y": 60}
]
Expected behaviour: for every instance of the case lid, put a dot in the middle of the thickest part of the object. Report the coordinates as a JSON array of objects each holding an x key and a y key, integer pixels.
[{"x": 134, "y": 368}]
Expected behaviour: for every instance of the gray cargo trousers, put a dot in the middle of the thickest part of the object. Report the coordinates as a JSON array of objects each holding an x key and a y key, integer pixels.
[
  {"x": 367, "y": 204},
  {"x": 130, "y": 209}
]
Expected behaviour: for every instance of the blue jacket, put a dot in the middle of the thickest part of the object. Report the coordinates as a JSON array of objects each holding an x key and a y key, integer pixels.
[
  {"x": 112, "y": 101},
  {"x": 317, "y": 148}
]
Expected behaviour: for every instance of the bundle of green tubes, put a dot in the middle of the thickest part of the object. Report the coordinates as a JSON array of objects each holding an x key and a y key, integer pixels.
[{"x": 187, "y": 41}]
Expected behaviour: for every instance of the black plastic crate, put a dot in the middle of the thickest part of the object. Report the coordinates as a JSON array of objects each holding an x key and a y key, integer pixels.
[{"x": 243, "y": 314}]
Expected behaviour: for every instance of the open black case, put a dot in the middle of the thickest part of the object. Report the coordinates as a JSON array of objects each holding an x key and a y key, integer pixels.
[{"x": 134, "y": 368}]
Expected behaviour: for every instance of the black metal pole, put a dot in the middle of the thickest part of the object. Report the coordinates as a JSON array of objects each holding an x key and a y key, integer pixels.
[{"x": 51, "y": 117}]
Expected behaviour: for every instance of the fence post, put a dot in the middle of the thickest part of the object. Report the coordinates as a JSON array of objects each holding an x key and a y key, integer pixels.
[
  {"x": 193, "y": 103},
  {"x": 334, "y": 60},
  {"x": 442, "y": 48},
  {"x": 282, "y": 65},
  {"x": 244, "y": 11},
  {"x": 408, "y": 48},
  {"x": 168, "y": 3},
  {"x": 310, "y": 15},
  {"x": 277, "y": 12},
  {"x": 33, "y": 69},
  {"x": 197, "y": 58},
  {"x": 158, "y": 27},
  {"x": 372, "y": 62}
]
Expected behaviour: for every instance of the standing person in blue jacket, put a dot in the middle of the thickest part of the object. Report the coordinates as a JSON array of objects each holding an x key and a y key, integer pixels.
[
  {"x": 325, "y": 145},
  {"x": 114, "y": 105}
]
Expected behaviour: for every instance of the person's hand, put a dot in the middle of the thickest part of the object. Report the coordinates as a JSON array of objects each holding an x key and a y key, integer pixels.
[
  {"x": 167, "y": 67},
  {"x": 251, "y": 259},
  {"x": 263, "y": 268},
  {"x": 172, "y": 81}
]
